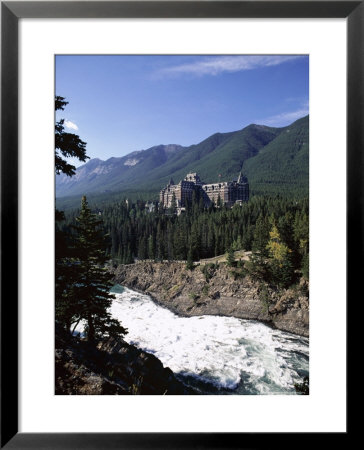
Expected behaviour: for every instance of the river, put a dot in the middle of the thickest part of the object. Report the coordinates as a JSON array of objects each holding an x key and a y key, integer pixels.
[{"x": 215, "y": 354}]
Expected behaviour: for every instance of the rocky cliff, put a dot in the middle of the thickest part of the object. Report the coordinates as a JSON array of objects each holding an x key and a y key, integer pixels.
[
  {"x": 217, "y": 290},
  {"x": 113, "y": 367}
]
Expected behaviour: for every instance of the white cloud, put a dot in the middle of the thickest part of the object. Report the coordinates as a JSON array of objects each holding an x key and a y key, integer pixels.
[
  {"x": 70, "y": 125},
  {"x": 217, "y": 65},
  {"x": 286, "y": 118}
]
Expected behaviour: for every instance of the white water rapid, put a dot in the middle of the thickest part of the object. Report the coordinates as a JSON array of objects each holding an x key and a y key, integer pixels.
[{"x": 218, "y": 355}]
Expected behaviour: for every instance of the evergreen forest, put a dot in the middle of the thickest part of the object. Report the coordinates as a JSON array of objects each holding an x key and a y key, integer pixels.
[{"x": 273, "y": 228}]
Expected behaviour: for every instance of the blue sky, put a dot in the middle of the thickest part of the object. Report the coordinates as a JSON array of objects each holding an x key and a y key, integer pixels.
[{"x": 119, "y": 104}]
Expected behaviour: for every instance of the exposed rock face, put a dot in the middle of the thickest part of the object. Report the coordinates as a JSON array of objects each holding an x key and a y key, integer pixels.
[
  {"x": 216, "y": 292},
  {"x": 113, "y": 367}
]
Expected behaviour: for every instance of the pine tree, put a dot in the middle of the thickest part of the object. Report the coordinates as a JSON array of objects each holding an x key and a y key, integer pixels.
[
  {"x": 151, "y": 247},
  {"x": 142, "y": 248},
  {"x": 219, "y": 203},
  {"x": 301, "y": 236},
  {"x": 66, "y": 303},
  {"x": 173, "y": 207},
  {"x": 93, "y": 281},
  {"x": 261, "y": 235},
  {"x": 281, "y": 266},
  {"x": 230, "y": 257},
  {"x": 67, "y": 144},
  {"x": 189, "y": 264},
  {"x": 195, "y": 241}
]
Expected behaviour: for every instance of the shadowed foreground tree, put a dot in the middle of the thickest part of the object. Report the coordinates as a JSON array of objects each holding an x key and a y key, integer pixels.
[
  {"x": 82, "y": 284},
  {"x": 89, "y": 297},
  {"x": 68, "y": 145}
]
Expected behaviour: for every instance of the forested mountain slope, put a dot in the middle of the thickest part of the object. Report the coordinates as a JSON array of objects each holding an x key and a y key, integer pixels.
[
  {"x": 274, "y": 159},
  {"x": 282, "y": 166}
]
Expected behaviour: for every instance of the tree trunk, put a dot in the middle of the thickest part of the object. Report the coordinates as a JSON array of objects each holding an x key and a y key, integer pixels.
[
  {"x": 91, "y": 329},
  {"x": 78, "y": 321}
]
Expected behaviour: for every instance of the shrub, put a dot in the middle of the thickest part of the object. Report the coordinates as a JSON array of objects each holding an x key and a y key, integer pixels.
[
  {"x": 264, "y": 296},
  {"x": 208, "y": 270},
  {"x": 205, "y": 289}
]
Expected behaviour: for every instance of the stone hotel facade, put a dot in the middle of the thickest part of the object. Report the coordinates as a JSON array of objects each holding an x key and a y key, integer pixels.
[{"x": 230, "y": 192}]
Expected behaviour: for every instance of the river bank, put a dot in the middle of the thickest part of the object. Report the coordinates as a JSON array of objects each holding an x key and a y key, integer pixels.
[
  {"x": 113, "y": 367},
  {"x": 217, "y": 291}
]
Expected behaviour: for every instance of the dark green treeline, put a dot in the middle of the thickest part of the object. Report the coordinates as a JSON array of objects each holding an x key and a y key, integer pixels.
[{"x": 134, "y": 232}]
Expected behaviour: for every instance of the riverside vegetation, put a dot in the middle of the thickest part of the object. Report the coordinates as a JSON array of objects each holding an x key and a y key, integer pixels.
[{"x": 264, "y": 275}]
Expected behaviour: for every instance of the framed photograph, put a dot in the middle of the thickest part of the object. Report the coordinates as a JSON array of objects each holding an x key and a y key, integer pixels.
[{"x": 135, "y": 75}]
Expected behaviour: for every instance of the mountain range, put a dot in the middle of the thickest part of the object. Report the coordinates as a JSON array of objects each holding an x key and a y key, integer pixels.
[{"x": 275, "y": 160}]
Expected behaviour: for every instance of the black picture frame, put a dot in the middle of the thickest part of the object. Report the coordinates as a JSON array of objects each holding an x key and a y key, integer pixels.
[{"x": 11, "y": 12}]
